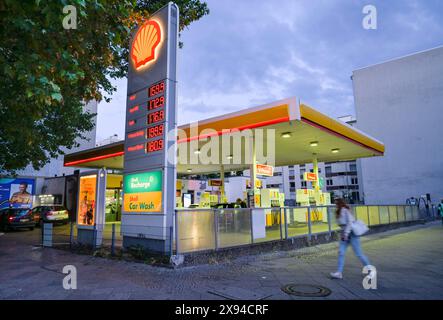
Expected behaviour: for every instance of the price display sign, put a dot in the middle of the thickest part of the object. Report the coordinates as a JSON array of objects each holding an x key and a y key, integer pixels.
[{"x": 149, "y": 176}]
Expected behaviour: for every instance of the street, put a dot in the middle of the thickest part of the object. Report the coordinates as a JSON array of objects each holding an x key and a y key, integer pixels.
[{"x": 409, "y": 265}]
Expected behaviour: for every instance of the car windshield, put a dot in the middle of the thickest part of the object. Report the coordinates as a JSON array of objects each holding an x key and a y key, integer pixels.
[
  {"x": 20, "y": 213},
  {"x": 57, "y": 208}
]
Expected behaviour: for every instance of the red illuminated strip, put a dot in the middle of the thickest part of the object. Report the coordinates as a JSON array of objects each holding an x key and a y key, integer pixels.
[
  {"x": 111, "y": 155},
  {"x": 136, "y": 134},
  {"x": 136, "y": 148},
  {"x": 134, "y": 109},
  {"x": 314, "y": 124},
  {"x": 131, "y": 123},
  {"x": 133, "y": 97},
  {"x": 226, "y": 131}
]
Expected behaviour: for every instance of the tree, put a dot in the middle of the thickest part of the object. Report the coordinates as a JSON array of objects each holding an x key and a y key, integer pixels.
[{"x": 48, "y": 73}]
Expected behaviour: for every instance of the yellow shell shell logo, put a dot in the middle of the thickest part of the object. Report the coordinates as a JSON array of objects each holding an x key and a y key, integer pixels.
[{"x": 146, "y": 40}]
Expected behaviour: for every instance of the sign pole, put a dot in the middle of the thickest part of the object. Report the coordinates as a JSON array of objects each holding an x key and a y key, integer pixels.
[{"x": 149, "y": 174}]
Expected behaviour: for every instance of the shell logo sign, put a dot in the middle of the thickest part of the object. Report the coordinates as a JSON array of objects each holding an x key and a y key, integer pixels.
[
  {"x": 265, "y": 170},
  {"x": 145, "y": 43},
  {"x": 309, "y": 176}
]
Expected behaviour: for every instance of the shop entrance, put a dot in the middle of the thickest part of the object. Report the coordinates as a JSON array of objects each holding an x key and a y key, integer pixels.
[
  {"x": 113, "y": 198},
  {"x": 113, "y": 206}
]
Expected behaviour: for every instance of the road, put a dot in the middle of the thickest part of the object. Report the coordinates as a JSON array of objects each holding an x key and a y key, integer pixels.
[{"x": 409, "y": 265}]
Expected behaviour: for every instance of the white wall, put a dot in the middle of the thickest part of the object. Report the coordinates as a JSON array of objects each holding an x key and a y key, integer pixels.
[{"x": 400, "y": 102}]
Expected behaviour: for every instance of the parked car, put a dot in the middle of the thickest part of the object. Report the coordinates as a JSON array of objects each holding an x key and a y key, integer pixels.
[
  {"x": 16, "y": 218},
  {"x": 50, "y": 214}
]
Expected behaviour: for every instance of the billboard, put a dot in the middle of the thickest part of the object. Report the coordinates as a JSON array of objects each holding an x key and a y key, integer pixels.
[
  {"x": 86, "y": 200},
  {"x": 16, "y": 193}
]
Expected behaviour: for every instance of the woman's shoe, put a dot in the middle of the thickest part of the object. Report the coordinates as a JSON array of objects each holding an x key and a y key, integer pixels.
[{"x": 336, "y": 275}]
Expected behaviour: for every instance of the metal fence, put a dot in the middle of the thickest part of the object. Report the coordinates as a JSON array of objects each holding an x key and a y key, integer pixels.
[
  {"x": 213, "y": 229},
  {"x": 107, "y": 237}
]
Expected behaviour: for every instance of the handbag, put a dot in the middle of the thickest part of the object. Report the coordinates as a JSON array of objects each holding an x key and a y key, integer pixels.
[{"x": 359, "y": 228}]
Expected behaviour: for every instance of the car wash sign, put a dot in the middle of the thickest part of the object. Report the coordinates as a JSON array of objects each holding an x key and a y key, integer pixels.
[
  {"x": 143, "y": 192},
  {"x": 149, "y": 179}
]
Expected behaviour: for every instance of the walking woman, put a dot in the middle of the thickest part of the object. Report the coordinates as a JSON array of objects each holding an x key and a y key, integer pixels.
[{"x": 344, "y": 219}]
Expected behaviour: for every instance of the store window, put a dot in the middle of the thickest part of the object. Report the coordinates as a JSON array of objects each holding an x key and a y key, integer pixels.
[{"x": 302, "y": 172}]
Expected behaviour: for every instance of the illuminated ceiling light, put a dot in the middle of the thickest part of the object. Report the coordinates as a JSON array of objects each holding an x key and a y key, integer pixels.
[
  {"x": 313, "y": 143},
  {"x": 189, "y": 170},
  {"x": 197, "y": 152},
  {"x": 229, "y": 157},
  {"x": 286, "y": 135},
  {"x": 335, "y": 150}
]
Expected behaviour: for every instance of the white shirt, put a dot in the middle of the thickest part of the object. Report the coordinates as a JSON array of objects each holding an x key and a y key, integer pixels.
[{"x": 345, "y": 220}]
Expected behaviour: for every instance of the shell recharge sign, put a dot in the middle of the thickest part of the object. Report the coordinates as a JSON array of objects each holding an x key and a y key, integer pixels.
[
  {"x": 149, "y": 179},
  {"x": 143, "y": 192}
]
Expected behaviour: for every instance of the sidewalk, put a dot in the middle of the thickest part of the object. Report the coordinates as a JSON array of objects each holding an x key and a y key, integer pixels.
[{"x": 409, "y": 264}]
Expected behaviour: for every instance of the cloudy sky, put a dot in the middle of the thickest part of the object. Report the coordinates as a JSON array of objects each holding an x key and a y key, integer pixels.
[{"x": 249, "y": 52}]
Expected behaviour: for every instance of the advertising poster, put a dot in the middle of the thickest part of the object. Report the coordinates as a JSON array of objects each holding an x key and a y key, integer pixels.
[
  {"x": 86, "y": 195},
  {"x": 16, "y": 193},
  {"x": 143, "y": 192}
]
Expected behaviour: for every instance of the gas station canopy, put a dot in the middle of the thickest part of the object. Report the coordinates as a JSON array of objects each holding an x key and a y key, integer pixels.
[{"x": 300, "y": 133}]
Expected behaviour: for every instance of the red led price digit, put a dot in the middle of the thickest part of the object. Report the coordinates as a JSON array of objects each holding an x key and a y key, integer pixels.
[
  {"x": 154, "y": 146},
  {"x": 156, "y": 116},
  {"x": 155, "y": 131},
  {"x": 156, "y": 103},
  {"x": 156, "y": 89}
]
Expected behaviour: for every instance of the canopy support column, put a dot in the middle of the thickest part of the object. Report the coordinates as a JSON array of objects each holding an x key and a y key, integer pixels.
[
  {"x": 222, "y": 179},
  {"x": 253, "y": 169},
  {"x": 316, "y": 183}
]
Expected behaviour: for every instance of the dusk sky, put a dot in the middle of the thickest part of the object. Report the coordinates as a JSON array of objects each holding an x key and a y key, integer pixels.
[{"x": 250, "y": 52}]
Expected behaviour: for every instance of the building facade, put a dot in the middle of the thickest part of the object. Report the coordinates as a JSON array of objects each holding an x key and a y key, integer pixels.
[{"x": 401, "y": 103}]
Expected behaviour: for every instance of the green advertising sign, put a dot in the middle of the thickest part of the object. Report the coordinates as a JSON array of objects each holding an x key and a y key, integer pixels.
[{"x": 142, "y": 182}]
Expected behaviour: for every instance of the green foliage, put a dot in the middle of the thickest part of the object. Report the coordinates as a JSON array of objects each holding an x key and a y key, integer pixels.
[{"x": 48, "y": 73}]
